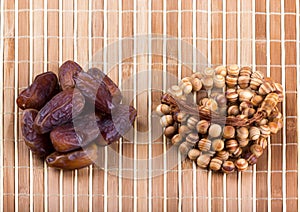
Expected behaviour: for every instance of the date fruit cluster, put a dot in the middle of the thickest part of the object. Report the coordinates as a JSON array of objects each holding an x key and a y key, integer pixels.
[
  {"x": 58, "y": 123},
  {"x": 222, "y": 118}
]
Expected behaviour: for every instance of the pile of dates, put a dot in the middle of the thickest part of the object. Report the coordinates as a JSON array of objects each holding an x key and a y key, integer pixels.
[{"x": 67, "y": 119}]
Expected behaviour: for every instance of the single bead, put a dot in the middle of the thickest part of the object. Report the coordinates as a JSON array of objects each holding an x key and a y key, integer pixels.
[
  {"x": 203, "y": 161},
  {"x": 193, "y": 154},
  {"x": 204, "y": 144},
  {"x": 241, "y": 164},
  {"x": 215, "y": 164},
  {"x": 228, "y": 132},
  {"x": 218, "y": 145},
  {"x": 228, "y": 167},
  {"x": 215, "y": 130}
]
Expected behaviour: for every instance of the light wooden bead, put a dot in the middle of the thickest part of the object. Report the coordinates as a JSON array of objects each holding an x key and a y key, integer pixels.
[
  {"x": 241, "y": 164},
  {"x": 204, "y": 144},
  {"x": 232, "y": 95},
  {"x": 221, "y": 100},
  {"x": 262, "y": 122},
  {"x": 211, "y": 104},
  {"x": 181, "y": 117},
  {"x": 218, "y": 145},
  {"x": 269, "y": 103},
  {"x": 228, "y": 132},
  {"x": 273, "y": 127},
  {"x": 255, "y": 83},
  {"x": 242, "y": 132},
  {"x": 202, "y": 127},
  {"x": 265, "y": 88},
  {"x": 231, "y": 145},
  {"x": 163, "y": 109},
  {"x": 245, "y": 95},
  {"x": 257, "y": 150},
  {"x": 176, "y": 91},
  {"x": 221, "y": 70},
  {"x": 215, "y": 164},
  {"x": 233, "y": 110},
  {"x": 208, "y": 83},
  {"x": 249, "y": 112},
  {"x": 231, "y": 81},
  {"x": 215, "y": 130},
  {"x": 258, "y": 74},
  {"x": 277, "y": 87},
  {"x": 184, "y": 130},
  {"x": 204, "y": 101},
  {"x": 203, "y": 161},
  {"x": 197, "y": 75},
  {"x": 279, "y": 90},
  {"x": 170, "y": 131},
  {"x": 243, "y": 142},
  {"x": 245, "y": 105},
  {"x": 191, "y": 122},
  {"x": 228, "y": 167},
  {"x": 219, "y": 81},
  {"x": 192, "y": 138},
  {"x": 197, "y": 84},
  {"x": 176, "y": 139},
  {"x": 262, "y": 142},
  {"x": 279, "y": 122},
  {"x": 186, "y": 85},
  {"x": 209, "y": 72},
  {"x": 193, "y": 154},
  {"x": 233, "y": 70},
  {"x": 237, "y": 152},
  {"x": 275, "y": 114},
  {"x": 184, "y": 148},
  {"x": 254, "y": 133},
  {"x": 257, "y": 100},
  {"x": 185, "y": 79},
  {"x": 244, "y": 81},
  {"x": 166, "y": 120},
  {"x": 265, "y": 131},
  {"x": 246, "y": 71},
  {"x": 223, "y": 155}
]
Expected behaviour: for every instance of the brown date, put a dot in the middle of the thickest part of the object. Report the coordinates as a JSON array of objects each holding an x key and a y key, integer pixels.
[
  {"x": 115, "y": 125},
  {"x": 75, "y": 134},
  {"x": 43, "y": 88},
  {"x": 74, "y": 160},
  {"x": 66, "y": 72},
  {"x": 61, "y": 109},
  {"x": 95, "y": 91},
  {"x": 37, "y": 143},
  {"x": 112, "y": 87}
]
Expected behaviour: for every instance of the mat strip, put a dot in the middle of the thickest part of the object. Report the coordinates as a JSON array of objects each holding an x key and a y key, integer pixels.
[
  {"x": 283, "y": 82},
  {"x": 1, "y": 99}
]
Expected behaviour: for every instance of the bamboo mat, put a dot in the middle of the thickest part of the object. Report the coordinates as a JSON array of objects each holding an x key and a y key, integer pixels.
[{"x": 37, "y": 36}]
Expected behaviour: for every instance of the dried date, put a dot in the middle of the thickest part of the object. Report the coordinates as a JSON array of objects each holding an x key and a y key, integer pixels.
[
  {"x": 112, "y": 87},
  {"x": 37, "y": 143},
  {"x": 73, "y": 135},
  {"x": 43, "y": 88},
  {"x": 66, "y": 72},
  {"x": 74, "y": 160},
  {"x": 114, "y": 126},
  {"x": 61, "y": 109},
  {"x": 95, "y": 91}
]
